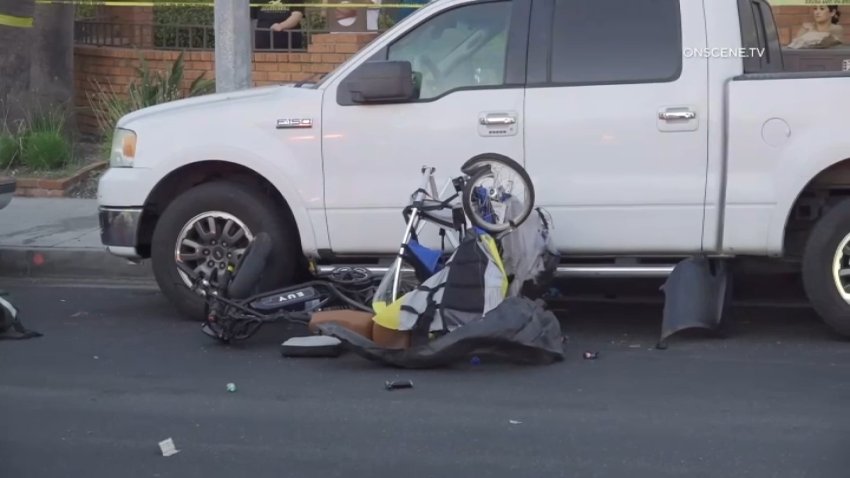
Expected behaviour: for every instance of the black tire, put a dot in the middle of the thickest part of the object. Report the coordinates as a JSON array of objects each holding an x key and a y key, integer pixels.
[
  {"x": 825, "y": 239},
  {"x": 469, "y": 166},
  {"x": 256, "y": 211}
]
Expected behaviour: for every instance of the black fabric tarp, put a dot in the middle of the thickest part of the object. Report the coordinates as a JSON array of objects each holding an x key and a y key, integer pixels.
[{"x": 518, "y": 330}]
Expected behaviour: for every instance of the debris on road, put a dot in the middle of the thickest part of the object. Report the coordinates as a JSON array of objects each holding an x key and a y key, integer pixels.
[
  {"x": 514, "y": 422},
  {"x": 396, "y": 384},
  {"x": 167, "y": 447},
  {"x": 591, "y": 355},
  {"x": 231, "y": 387}
]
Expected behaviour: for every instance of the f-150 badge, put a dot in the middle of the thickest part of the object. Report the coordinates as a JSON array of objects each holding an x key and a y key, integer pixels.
[{"x": 294, "y": 123}]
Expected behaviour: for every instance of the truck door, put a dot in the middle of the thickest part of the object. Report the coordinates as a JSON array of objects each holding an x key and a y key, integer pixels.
[
  {"x": 471, "y": 59},
  {"x": 616, "y": 123}
]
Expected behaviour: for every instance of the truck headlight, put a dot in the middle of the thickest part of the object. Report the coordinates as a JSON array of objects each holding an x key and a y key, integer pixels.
[{"x": 123, "y": 148}]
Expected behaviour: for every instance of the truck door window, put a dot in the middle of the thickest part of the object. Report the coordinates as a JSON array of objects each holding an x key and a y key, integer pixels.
[
  {"x": 462, "y": 48},
  {"x": 615, "y": 41}
]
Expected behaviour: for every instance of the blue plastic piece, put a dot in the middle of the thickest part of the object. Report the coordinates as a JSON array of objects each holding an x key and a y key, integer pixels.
[{"x": 427, "y": 257}]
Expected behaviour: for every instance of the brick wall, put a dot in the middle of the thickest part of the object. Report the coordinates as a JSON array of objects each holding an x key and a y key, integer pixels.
[
  {"x": 117, "y": 66},
  {"x": 324, "y": 54},
  {"x": 789, "y": 19}
]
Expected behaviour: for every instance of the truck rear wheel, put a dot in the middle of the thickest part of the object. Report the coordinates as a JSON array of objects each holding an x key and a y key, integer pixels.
[
  {"x": 826, "y": 268},
  {"x": 211, "y": 224}
]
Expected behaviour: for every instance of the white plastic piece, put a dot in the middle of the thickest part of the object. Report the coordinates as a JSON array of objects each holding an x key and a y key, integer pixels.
[
  {"x": 167, "y": 447},
  {"x": 312, "y": 341}
]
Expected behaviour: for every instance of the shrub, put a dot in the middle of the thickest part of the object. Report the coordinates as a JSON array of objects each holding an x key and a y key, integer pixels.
[
  {"x": 149, "y": 89},
  {"x": 42, "y": 150},
  {"x": 40, "y": 141},
  {"x": 9, "y": 150},
  {"x": 170, "y": 26},
  {"x": 154, "y": 88}
]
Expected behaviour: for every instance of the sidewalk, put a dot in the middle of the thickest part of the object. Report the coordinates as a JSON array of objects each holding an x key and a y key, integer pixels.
[{"x": 58, "y": 237}]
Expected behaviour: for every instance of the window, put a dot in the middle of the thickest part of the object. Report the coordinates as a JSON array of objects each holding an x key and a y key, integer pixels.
[
  {"x": 616, "y": 41},
  {"x": 464, "y": 47}
]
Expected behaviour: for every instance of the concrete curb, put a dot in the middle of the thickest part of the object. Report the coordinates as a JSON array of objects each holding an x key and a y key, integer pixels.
[{"x": 69, "y": 262}]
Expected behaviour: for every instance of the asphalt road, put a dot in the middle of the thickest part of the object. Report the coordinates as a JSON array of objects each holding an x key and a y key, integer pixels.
[{"x": 116, "y": 372}]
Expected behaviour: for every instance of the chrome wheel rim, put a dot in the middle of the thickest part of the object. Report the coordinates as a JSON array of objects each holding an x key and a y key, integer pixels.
[
  {"x": 209, "y": 242},
  {"x": 841, "y": 268},
  {"x": 502, "y": 181}
]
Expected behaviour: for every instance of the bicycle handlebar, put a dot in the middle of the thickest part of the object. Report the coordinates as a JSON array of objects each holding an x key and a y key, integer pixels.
[{"x": 420, "y": 193}]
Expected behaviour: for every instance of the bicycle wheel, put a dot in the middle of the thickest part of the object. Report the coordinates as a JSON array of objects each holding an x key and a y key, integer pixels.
[{"x": 499, "y": 195}]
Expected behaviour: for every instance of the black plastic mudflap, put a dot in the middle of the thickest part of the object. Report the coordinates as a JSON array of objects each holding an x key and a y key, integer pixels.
[{"x": 696, "y": 294}]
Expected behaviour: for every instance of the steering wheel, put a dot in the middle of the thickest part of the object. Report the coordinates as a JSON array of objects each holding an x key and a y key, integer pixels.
[
  {"x": 429, "y": 64},
  {"x": 433, "y": 71}
]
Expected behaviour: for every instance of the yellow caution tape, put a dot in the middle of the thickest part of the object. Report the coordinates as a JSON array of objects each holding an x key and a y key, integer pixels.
[
  {"x": 107, "y": 3},
  {"x": 13, "y": 21}
]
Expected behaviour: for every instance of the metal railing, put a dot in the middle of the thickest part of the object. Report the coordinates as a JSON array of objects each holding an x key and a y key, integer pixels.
[{"x": 187, "y": 37}]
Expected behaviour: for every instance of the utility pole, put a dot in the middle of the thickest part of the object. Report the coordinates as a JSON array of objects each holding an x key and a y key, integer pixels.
[{"x": 233, "y": 45}]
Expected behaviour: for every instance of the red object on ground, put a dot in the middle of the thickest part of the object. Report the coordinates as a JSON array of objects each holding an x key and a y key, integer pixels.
[{"x": 38, "y": 259}]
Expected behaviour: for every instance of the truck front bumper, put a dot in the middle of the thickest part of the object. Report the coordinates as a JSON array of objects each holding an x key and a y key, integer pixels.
[
  {"x": 7, "y": 191},
  {"x": 119, "y": 230}
]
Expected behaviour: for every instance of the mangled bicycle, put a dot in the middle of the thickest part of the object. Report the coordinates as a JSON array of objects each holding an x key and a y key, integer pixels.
[{"x": 493, "y": 195}]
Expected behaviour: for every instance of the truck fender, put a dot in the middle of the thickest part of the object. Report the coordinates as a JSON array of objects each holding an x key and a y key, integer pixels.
[
  {"x": 246, "y": 158},
  {"x": 797, "y": 168}
]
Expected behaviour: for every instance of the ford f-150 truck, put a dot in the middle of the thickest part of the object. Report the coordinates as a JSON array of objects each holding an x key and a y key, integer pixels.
[{"x": 652, "y": 131}]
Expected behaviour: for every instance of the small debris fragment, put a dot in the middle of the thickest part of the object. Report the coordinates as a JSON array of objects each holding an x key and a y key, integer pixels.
[
  {"x": 96, "y": 357},
  {"x": 231, "y": 387},
  {"x": 475, "y": 360},
  {"x": 514, "y": 422},
  {"x": 167, "y": 447},
  {"x": 396, "y": 384},
  {"x": 591, "y": 355},
  {"x": 634, "y": 346}
]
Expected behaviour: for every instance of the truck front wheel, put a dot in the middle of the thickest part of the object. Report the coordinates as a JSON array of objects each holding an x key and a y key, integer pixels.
[
  {"x": 210, "y": 225},
  {"x": 826, "y": 268}
]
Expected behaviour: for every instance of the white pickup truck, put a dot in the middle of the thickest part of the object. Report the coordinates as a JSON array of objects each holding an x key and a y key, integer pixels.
[{"x": 652, "y": 131}]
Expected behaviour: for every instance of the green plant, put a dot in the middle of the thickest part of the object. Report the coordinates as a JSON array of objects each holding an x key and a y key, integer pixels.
[
  {"x": 9, "y": 150},
  {"x": 42, "y": 150},
  {"x": 85, "y": 11},
  {"x": 39, "y": 140},
  {"x": 172, "y": 26},
  {"x": 149, "y": 89},
  {"x": 51, "y": 119},
  {"x": 154, "y": 88},
  {"x": 108, "y": 107}
]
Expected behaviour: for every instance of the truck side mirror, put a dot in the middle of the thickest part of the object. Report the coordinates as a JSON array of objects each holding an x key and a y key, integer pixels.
[{"x": 382, "y": 82}]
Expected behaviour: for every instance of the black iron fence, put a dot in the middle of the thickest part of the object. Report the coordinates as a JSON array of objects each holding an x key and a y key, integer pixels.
[{"x": 186, "y": 37}]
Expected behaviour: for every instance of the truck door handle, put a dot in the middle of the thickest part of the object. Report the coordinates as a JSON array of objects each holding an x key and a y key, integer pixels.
[
  {"x": 497, "y": 120},
  {"x": 670, "y": 115}
]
